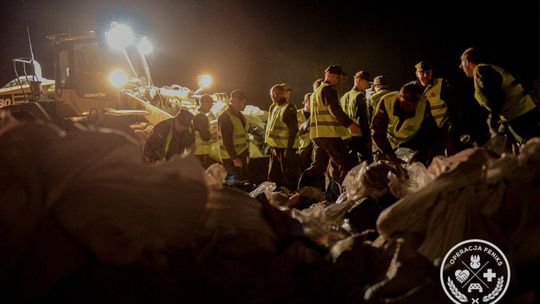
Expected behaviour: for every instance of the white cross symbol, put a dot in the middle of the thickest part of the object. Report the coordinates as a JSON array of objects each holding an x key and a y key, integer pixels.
[
  {"x": 489, "y": 275},
  {"x": 475, "y": 300}
]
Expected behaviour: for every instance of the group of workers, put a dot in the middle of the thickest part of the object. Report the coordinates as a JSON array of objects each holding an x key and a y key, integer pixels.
[{"x": 328, "y": 136}]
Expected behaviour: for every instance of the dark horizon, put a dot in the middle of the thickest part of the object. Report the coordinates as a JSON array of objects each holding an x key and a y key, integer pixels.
[{"x": 253, "y": 45}]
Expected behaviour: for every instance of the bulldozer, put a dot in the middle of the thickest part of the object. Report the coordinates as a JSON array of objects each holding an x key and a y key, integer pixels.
[{"x": 107, "y": 83}]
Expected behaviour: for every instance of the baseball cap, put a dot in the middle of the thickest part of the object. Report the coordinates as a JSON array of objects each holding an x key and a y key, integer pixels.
[
  {"x": 380, "y": 80},
  {"x": 238, "y": 94},
  {"x": 205, "y": 98},
  {"x": 363, "y": 75},
  {"x": 423, "y": 65},
  {"x": 335, "y": 69}
]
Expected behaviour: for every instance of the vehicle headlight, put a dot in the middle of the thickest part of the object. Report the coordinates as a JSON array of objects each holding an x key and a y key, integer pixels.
[
  {"x": 205, "y": 81},
  {"x": 118, "y": 78}
]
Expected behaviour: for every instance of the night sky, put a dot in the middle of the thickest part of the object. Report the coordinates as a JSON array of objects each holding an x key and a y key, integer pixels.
[{"x": 253, "y": 45}]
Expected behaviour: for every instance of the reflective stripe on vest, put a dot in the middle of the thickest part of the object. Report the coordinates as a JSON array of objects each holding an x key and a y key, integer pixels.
[
  {"x": 277, "y": 132},
  {"x": 439, "y": 109},
  {"x": 303, "y": 140},
  {"x": 322, "y": 123},
  {"x": 202, "y": 147},
  {"x": 240, "y": 139},
  {"x": 517, "y": 101},
  {"x": 348, "y": 104},
  {"x": 409, "y": 127}
]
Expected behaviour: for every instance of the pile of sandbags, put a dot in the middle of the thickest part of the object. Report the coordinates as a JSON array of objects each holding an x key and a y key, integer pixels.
[
  {"x": 495, "y": 199},
  {"x": 85, "y": 198}
]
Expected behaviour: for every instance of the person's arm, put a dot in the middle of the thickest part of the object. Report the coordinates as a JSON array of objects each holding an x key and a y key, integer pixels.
[
  {"x": 331, "y": 99},
  {"x": 155, "y": 141},
  {"x": 200, "y": 124},
  {"x": 379, "y": 128},
  {"x": 490, "y": 84},
  {"x": 290, "y": 118},
  {"x": 362, "y": 116},
  {"x": 226, "y": 127}
]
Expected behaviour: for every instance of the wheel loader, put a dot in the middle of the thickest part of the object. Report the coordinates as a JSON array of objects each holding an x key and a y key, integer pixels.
[{"x": 106, "y": 82}]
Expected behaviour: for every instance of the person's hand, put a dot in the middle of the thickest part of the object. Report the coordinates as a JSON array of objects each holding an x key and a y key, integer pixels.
[
  {"x": 355, "y": 128},
  {"x": 304, "y": 128},
  {"x": 398, "y": 164},
  {"x": 493, "y": 124},
  {"x": 237, "y": 162}
]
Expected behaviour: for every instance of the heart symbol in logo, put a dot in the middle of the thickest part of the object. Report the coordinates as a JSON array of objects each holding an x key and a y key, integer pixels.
[{"x": 462, "y": 275}]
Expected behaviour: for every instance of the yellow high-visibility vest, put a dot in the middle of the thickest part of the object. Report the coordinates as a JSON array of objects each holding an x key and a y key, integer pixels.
[
  {"x": 409, "y": 127},
  {"x": 374, "y": 100},
  {"x": 322, "y": 123},
  {"x": 348, "y": 104},
  {"x": 277, "y": 133},
  {"x": 240, "y": 136},
  {"x": 517, "y": 101},
  {"x": 202, "y": 147},
  {"x": 302, "y": 141},
  {"x": 439, "y": 110}
]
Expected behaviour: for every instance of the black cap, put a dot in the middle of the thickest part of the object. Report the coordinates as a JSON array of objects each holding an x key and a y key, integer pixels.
[
  {"x": 423, "y": 65},
  {"x": 184, "y": 117},
  {"x": 335, "y": 69},
  {"x": 363, "y": 75}
]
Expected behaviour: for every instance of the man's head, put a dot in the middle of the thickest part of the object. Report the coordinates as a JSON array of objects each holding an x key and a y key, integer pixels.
[
  {"x": 334, "y": 74},
  {"x": 424, "y": 72},
  {"x": 408, "y": 97},
  {"x": 238, "y": 100},
  {"x": 183, "y": 120},
  {"x": 280, "y": 93},
  {"x": 469, "y": 60},
  {"x": 362, "y": 80},
  {"x": 205, "y": 103},
  {"x": 307, "y": 100},
  {"x": 379, "y": 83}
]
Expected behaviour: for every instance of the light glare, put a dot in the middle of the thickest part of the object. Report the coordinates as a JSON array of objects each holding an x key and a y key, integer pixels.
[
  {"x": 205, "y": 81},
  {"x": 120, "y": 36},
  {"x": 118, "y": 78}
]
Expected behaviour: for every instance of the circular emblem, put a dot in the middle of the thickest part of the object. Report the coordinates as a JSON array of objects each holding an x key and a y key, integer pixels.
[{"x": 475, "y": 271}]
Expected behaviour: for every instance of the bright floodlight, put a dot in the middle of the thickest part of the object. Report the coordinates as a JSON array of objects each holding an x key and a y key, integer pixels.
[
  {"x": 118, "y": 78},
  {"x": 205, "y": 81},
  {"x": 120, "y": 36},
  {"x": 145, "y": 47}
]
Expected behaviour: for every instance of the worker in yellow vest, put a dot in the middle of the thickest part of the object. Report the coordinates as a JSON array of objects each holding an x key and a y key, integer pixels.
[
  {"x": 503, "y": 96},
  {"x": 355, "y": 106},
  {"x": 404, "y": 119},
  {"x": 433, "y": 89},
  {"x": 173, "y": 136},
  {"x": 328, "y": 124},
  {"x": 233, "y": 136},
  {"x": 437, "y": 93},
  {"x": 380, "y": 88},
  {"x": 204, "y": 139},
  {"x": 280, "y": 136},
  {"x": 305, "y": 146}
]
